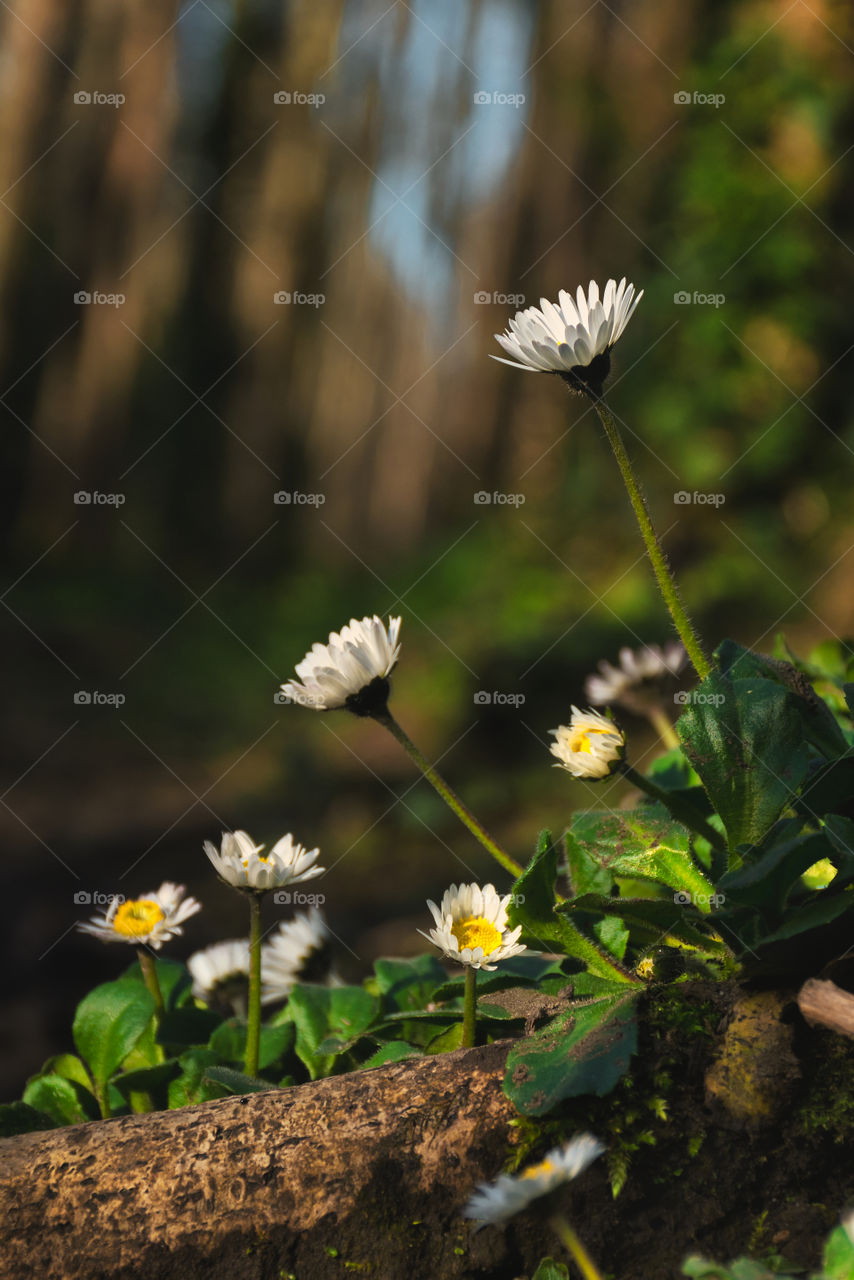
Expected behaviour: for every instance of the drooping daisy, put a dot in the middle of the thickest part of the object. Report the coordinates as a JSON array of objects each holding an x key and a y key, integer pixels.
[
  {"x": 471, "y": 926},
  {"x": 351, "y": 670},
  {"x": 147, "y": 921},
  {"x": 588, "y": 746},
  {"x": 637, "y": 668},
  {"x": 221, "y": 974},
  {"x": 573, "y": 338},
  {"x": 292, "y": 949},
  {"x": 241, "y": 863},
  {"x": 511, "y": 1193}
]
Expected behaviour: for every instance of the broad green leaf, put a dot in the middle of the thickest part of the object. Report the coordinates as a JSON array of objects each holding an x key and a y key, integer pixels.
[
  {"x": 65, "y": 1101},
  {"x": 745, "y": 738},
  {"x": 108, "y": 1023},
  {"x": 533, "y": 907},
  {"x": 236, "y": 1081},
  {"x": 319, "y": 1012},
  {"x": 187, "y": 1026},
  {"x": 822, "y": 907},
  {"x": 409, "y": 984},
  {"x": 18, "y": 1117},
  {"x": 839, "y": 1256},
  {"x": 175, "y": 980},
  {"x": 393, "y": 1051},
  {"x": 701, "y": 1269},
  {"x": 452, "y": 1038},
  {"x": 665, "y": 920},
  {"x": 147, "y": 1079},
  {"x": 840, "y": 832},
  {"x": 829, "y": 789},
  {"x": 191, "y": 1086},
  {"x": 613, "y": 935},
  {"x": 551, "y": 1270},
  {"x": 584, "y": 1050},
  {"x": 644, "y": 844},
  {"x": 765, "y": 884},
  {"x": 70, "y": 1067}
]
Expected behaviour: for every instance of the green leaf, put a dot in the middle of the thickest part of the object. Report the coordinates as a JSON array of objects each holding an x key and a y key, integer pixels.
[
  {"x": 236, "y": 1081},
  {"x": 551, "y": 1270},
  {"x": 765, "y": 884},
  {"x": 69, "y": 1067},
  {"x": 409, "y": 984},
  {"x": 822, "y": 907},
  {"x": 839, "y": 1256},
  {"x": 533, "y": 907},
  {"x": 452, "y": 1038},
  {"x": 745, "y": 738},
  {"x": 191, "y": 1086},
  {"x": 701, "y": 1269},
  {"x": 393, "y": 1051},
  {"x": 175, "y": 980},
  {"x": 668, "y": 921},
  {"x": 644, "y": 844},
  {"x": 65, "y": 1101},
  {"x": 840, "y": 832},
  {"x": 18, "y": 1117},
  {"x": 319, "y": 1012},
  {"x": 187, "y": 1026},
  {"x": 108, "y": 1023},
  {"x": 613, "y": 935},
  {"x": 584, "y": 1050},
  {"x": 147, "y": 1079}
]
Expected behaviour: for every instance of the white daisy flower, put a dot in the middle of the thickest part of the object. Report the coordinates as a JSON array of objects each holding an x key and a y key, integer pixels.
[
  {"x": 241, "y": 863},
  {"x": 471, "y": 926},
  {"x": 354, "y": 661},
  {"x": 147, "y": 921},
  {"x": 636, "y": 668},
  {"x": 511, "y": 1193},
  {"x": 588, "y": 745},
  {"x": 219, "y": 971},
  {"x": 573, "y": 338},
  {"x": 285, "y": 955}
]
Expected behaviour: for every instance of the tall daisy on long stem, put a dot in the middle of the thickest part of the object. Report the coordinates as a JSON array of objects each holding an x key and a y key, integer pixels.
[
  {"x": 243, "y": 865},
  {"x": 574, "y": 339},
  {"x": 352, "y": 671}
]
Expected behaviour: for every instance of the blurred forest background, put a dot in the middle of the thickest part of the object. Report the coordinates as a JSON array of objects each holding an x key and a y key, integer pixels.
[{"x": 401, "y": 171}]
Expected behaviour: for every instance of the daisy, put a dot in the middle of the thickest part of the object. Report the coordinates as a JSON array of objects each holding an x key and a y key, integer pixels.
[
  {"x": 241, "y": 863},
  {"x": 221, "y": 973},
  {"x": 147, "y": 921},
  {"x": 510, "y": 1194},
  {"x": 637, "y": 667},
  {"x": 471, "y": 927},
  {"x": 588, "y": 746},
  {"x": 573, "y": 338},
  {"x": 285, "y": 957},
  {"x": 351, "y": 670}
]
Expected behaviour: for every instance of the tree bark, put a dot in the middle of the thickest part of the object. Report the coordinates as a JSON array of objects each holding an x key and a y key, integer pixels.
[{"x": 271, "y": 1183}]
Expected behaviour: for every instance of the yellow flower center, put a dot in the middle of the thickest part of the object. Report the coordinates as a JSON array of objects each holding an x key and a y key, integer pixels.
[
  {"x": 137, "y": 919},
  {"x": 477, "y": 932},
  {"x": 645, "y": 968},
  {"x": 537, "y": 1170},
  {"x": 580, "y": 741}
]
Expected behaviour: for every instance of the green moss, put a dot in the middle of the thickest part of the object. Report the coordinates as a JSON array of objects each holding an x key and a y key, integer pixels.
[{"x": 829, "y": 1105}]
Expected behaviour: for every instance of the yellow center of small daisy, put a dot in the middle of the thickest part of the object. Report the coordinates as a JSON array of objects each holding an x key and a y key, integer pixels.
[
  {"x": 645, "y": 968},
  {"x": 477, "y": 932},
  {"x": 137, "y": 919},
  {"x": 538, "y": 1170},
  {"x": 580, "y": 740}
]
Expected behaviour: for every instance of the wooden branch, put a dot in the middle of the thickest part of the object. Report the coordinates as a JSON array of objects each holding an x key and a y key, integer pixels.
[
  {"x": 301, "y": 1176},
  {"x": 826, "y": 1005}
]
